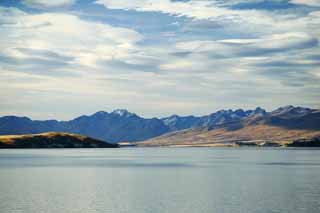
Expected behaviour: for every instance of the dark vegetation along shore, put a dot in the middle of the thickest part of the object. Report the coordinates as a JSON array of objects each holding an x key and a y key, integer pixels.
[
  {"x": 52, "y": 140},
  {"x": 67, "y": 140},
  {"x": 313, "y": 142}
]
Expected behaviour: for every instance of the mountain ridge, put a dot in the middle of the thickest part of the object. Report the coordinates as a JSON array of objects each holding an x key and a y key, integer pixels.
[
  {"x": 121, "y": 125},
  {"x": 281, "y": 126}
]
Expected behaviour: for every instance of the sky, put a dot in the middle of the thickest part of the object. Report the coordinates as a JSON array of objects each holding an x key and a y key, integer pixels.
[{"x": 64, "y": 58}]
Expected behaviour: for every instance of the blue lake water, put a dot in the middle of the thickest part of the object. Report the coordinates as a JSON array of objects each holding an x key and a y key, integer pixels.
[{"x": 160, "y": 180}]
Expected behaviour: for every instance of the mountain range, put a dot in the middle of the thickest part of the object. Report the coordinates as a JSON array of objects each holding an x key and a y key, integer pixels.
[
  {"x": 121, "y": 125},
  {"x": 279, "y": 127}
]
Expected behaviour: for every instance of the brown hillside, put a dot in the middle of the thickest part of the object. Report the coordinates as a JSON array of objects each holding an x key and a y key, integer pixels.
[
  {"x": 222, "y": 136},
  {"x": 52, "y": 140}
]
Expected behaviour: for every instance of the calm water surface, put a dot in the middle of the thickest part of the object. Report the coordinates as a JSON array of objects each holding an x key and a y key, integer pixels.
[{"x": 160, "y": 180}]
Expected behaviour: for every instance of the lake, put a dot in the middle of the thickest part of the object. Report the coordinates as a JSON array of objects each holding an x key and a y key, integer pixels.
[{"x": 160, "y": 180}]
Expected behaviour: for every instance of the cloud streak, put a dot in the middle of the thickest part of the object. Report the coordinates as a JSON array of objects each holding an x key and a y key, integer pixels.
[
  {"x": 61, "y": 37},
  {"x": 307, "y": 2},
  {"x": 44, "y": 4}
]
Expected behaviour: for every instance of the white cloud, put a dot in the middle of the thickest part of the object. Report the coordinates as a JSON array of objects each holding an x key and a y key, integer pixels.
[
  {"x": 48, "y": 3},
  {"x": 282, "y": 42},
  {"x": 51, "y": 58},
  {"x": 307, "y": 2},
  {"x": 255, "y": 23},
  {"x": 63, "y": 34},
  {"x": 265, "y": 45},
  {"x": 202, "y": 9}
]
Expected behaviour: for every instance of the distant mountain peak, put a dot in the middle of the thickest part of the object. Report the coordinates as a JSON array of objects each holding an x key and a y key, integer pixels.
[
  {"x": 99, "y": 114},
  {"x": 291, "y": 111},
  {"x": 15, "y": 118},
  {"x": 117, "y": 112},
  {"x": 122, "y": 113},
  {"x": 172, "y": 117},
  {"x": 260, "y": 111},
  {"x": 287, "y": 107}
]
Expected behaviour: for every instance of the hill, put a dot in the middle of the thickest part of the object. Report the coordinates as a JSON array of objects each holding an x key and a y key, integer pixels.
[
  {"x": 52, "y": 140},
  {"x": 225, "y": 137},
  {"x": 282, "y": 126}
]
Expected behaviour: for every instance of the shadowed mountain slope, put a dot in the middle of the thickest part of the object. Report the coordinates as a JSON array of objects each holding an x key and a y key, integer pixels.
[{"x": 119, "y": 125}]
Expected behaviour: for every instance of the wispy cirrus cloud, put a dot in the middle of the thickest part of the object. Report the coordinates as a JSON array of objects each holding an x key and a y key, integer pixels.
[
  {"x": 45, "y": 4},
  {"x": 225, "y": 15},
  {"x": 61, "y": 38},
  {"x": 266, "y": 45},
  {"x": 209, "y": 9},
  {"x": 202, "y": 9},
  {"x": 307, "y": 2}
]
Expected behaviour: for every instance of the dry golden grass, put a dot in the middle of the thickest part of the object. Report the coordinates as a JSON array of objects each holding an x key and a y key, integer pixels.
[
  {"x": 223, "y": 137},
  {"x": 10, "y": 139},
  {"x": 52, "y": 140}
]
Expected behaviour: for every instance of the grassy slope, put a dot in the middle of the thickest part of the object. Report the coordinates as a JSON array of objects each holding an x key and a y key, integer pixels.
[
  {"x": 51, "y": 140},
  {"x": 222, "y": 136}
]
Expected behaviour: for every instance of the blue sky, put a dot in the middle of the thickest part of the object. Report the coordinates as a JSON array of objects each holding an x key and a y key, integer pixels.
[{"x": 60, "y": 59}]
